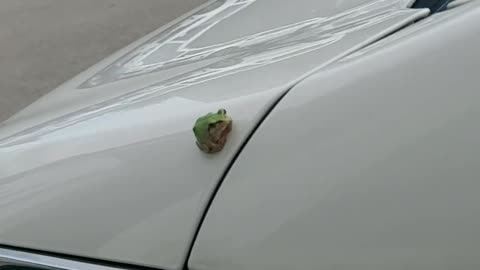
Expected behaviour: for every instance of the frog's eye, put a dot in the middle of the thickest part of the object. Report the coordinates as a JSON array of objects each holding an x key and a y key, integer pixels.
[{"x": 222, "y": 111}]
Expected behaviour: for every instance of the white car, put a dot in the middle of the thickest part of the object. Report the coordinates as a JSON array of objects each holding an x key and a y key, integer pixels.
[{"x": 355, "y": 145}]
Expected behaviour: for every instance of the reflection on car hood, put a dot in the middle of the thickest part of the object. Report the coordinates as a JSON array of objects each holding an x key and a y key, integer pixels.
[
  {"x": 182, "y": 44},
  {"x": 106, "y": 165}
]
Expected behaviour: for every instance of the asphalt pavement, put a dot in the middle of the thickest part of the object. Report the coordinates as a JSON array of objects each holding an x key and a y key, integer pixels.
[{"x": 45, "y": 42}]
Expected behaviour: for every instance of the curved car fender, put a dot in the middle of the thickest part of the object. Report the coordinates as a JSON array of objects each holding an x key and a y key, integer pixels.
[{"x": 371, "y": 163}]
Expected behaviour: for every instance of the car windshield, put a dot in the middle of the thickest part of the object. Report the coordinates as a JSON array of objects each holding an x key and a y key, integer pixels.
[{"x": 433, "y": 5}]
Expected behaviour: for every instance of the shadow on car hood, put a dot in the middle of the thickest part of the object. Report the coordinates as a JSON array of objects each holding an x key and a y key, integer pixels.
[{"x": 106, "y": 165}]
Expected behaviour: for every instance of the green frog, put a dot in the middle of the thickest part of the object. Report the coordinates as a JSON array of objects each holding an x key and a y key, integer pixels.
[{"x": 211, "y": 131}]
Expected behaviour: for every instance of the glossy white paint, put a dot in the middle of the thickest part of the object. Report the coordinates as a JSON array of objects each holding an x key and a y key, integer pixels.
[
  {"x": 369, "y": 164},
  {"x": 106, "y": 165}
]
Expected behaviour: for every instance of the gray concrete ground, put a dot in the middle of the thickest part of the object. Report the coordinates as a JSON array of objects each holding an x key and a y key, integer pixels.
[{"x": 45, "y": 42}]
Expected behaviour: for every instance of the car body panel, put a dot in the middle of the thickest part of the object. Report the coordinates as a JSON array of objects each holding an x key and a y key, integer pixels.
[
  {"x": 371, "y": 163},
  {"x": 106, "y": 165}
]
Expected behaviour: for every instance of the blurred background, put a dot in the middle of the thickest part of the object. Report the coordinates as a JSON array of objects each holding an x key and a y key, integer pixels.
[{"x": 46, "y": 42}]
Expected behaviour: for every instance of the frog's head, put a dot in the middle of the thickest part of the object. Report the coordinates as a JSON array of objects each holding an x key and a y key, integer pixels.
[{"x": 222, "y": 112}]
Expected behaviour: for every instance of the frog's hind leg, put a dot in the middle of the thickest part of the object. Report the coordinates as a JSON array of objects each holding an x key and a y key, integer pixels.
[{"x": 203, "y": 148}]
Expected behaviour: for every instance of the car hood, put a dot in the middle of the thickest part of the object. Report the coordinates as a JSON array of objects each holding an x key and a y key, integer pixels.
[{"x": 106, "y": 165}]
